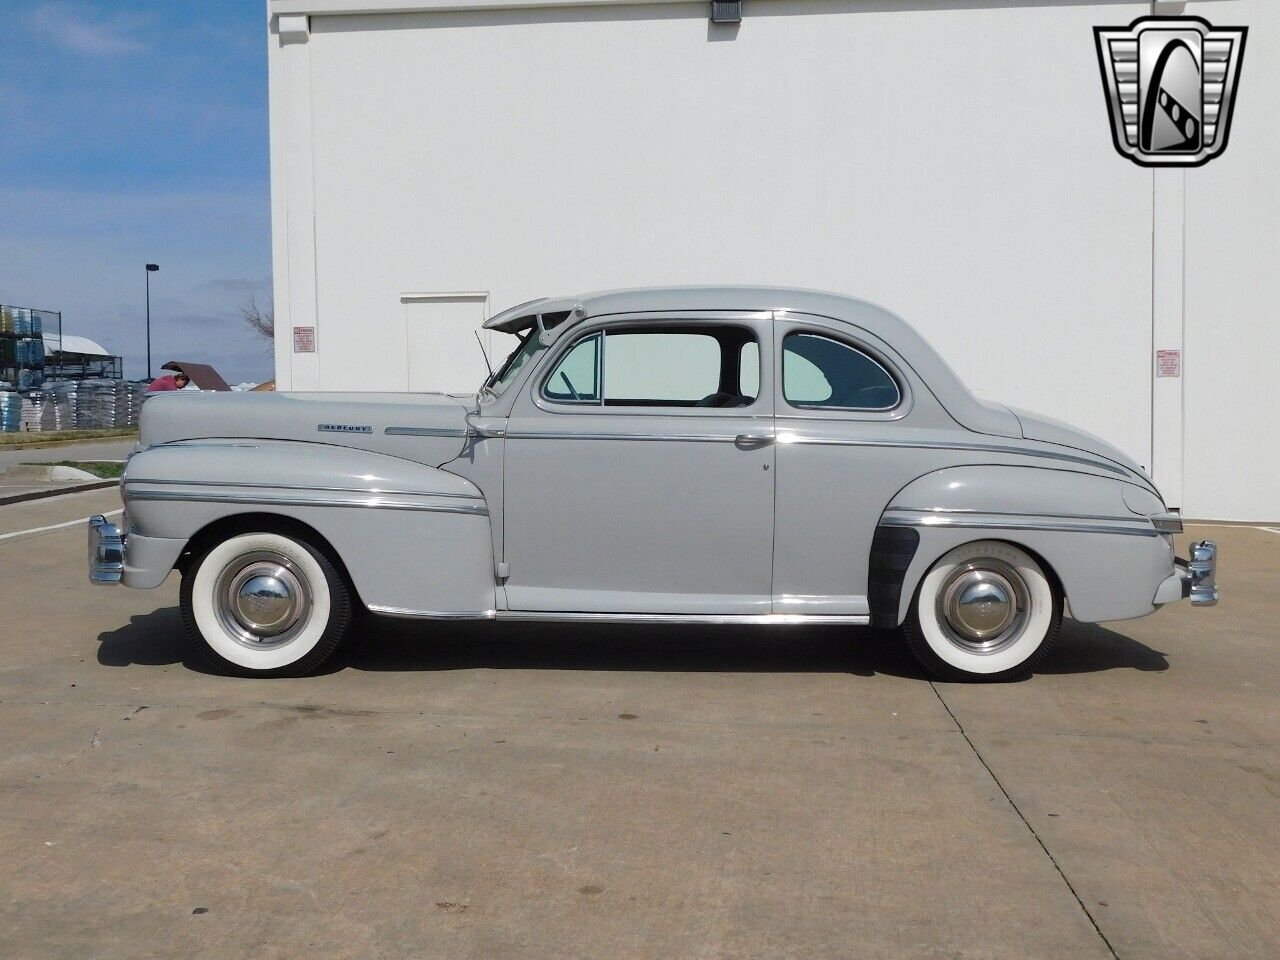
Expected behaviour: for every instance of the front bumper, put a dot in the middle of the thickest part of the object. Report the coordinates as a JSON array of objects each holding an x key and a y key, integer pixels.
[
  {"x": 106, "y": 551},
  {"x": 1196, "y": 578},
  {"x": 118, "y": 556}
]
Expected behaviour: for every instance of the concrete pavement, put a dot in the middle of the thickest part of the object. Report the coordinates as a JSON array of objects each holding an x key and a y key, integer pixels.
[{"x": 514, "y": 791}]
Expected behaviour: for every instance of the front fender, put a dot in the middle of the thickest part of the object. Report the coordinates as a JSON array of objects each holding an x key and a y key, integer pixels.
[
  {"x": 1092, "y": 532},
  {"x": 413, "y": 538}
]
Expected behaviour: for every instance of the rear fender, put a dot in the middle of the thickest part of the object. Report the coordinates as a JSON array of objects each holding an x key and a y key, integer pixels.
[{"x": 1105, "y": 554}]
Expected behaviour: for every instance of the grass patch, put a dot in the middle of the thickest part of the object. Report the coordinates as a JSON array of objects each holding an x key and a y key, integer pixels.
[
  {"x": 107, "y": 471},
  {"x": 10, "y": 440}
]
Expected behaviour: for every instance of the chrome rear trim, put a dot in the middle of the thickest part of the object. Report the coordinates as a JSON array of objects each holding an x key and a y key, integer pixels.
[{"x": 789, "y": 436}]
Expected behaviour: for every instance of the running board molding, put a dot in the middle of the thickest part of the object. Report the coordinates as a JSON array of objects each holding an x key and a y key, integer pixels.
[{"x": 742, "y": 619}]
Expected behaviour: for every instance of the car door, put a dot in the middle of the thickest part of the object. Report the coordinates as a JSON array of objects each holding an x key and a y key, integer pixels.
[
  {"x": 845, "y": 435},
  {"x": 639, "y": 470}
]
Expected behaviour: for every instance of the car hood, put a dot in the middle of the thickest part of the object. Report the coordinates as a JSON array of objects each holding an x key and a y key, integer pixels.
[
  {"x": 1047, "y": 430},
  {"x": 428, "y": 428}
]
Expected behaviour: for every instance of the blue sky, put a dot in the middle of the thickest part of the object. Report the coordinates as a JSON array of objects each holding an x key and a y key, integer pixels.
[{"x": 136, "y": 131}]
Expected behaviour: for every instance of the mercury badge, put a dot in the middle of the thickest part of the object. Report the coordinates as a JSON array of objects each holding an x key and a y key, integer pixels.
[{"x": 1170, "y": 84}]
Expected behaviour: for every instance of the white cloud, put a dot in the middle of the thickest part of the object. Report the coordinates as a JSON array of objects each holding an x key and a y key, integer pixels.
[{"x": 72, "y": 29}]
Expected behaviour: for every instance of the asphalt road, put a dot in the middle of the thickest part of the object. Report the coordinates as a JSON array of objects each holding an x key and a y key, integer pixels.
[{"x": 512, "y": 791}]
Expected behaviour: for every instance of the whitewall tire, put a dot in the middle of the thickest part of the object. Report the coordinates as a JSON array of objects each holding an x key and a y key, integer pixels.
[
  {"x": 264, "y": 604},
  {"x": 986, "y": 611}
]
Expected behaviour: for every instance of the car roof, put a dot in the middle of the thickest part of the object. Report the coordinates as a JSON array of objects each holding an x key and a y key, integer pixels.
[{"x": 662, "y": 299}]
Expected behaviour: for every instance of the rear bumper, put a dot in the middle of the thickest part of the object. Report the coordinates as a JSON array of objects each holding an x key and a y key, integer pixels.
[{"x": 1195, "y": 579}]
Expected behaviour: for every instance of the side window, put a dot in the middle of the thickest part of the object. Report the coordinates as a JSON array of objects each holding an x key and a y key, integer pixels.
[
  {"x": 668, "y": 366},
  {"x": 576, "y": 378},
  {"x": 647, "y": 369},
  {"x": 821, "y": 372}
]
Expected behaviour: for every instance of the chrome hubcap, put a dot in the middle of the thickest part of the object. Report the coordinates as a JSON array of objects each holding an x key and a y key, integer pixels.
[
  {"x": 262, "y": 600},
  {"x": 983, "y": 606}
]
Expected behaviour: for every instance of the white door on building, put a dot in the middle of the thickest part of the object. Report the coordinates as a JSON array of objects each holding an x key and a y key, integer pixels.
[{"x": 441, "y": 351}]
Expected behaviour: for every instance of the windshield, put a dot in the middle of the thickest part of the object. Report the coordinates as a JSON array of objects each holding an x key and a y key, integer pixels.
[{"x": 518, "y": 357}]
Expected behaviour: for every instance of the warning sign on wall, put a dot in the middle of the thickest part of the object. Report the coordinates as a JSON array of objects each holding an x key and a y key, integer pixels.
[
  {"x": 304, "y": 339},
  {"x": 1168, "y": 363}
]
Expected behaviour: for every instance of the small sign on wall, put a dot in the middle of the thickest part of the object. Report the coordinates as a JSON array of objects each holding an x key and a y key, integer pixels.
[
  {"x": 304, "y": 339},
  {"x": 1168, "y": 363}
]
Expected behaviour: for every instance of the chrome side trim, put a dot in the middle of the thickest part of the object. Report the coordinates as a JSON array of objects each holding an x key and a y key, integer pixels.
[
  {"x": 375, "y": 502},
  {"x": 639, "y": 437},
  {"x": 787, "y": 436},
  {"x": 1131, "y": 527},
  {"x": 432, "y": 614},
  {"x": 424, "y": 432},
  {"x": 284, "y": 486},
  {"x": 743, "y": 619}
]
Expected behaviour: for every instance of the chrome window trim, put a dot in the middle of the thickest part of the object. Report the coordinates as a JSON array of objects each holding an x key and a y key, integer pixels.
[
  {"x": 890, "y": 371},
  {"x": 561, "y": 357},
  {"x": 372, "y": 502},
  {"x": 1129, "y": 527},
  {"x": 653, "y": 321}
]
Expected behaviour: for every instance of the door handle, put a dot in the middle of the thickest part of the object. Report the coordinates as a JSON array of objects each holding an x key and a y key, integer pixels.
[{"x": 752, "y": 441}]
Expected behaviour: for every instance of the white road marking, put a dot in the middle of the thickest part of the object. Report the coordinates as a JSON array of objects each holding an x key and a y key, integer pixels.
[
  {"x": 55, "y": 526},
  {"x": 1269, "y": 529}
]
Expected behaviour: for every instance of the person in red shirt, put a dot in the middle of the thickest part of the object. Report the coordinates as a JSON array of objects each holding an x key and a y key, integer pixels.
[{"x": 175, "y": 382}]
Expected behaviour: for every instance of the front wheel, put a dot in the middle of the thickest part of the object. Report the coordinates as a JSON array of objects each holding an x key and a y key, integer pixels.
[
  {"x": 986, "y": 611},
  {"x": 264, "y": 605}
]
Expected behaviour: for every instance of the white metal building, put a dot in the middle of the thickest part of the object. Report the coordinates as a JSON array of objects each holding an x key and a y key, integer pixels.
[{"x": 434, "y": 161}]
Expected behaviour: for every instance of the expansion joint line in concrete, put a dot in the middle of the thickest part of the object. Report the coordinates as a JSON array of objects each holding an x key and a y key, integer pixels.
[{"x": 1025, "y": 822}]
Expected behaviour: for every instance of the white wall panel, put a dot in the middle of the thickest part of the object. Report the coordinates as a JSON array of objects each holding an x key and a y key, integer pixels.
[
  {"x": 1232, "y": 387},
  {"x": 951, "y": 163}
]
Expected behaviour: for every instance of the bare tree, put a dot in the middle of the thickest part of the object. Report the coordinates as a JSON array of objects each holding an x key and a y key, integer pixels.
[{"x": 261, "y": 322}]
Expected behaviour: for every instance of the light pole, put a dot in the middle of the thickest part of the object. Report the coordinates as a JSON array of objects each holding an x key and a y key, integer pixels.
[{"x": 151, "y": 268}]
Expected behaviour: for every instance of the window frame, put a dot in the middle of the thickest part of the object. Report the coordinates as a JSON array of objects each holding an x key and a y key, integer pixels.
[
  {"x": 559, "y": 359},
  {"x": 793, "y": 328},
  {"x": 668, "y": 323}
]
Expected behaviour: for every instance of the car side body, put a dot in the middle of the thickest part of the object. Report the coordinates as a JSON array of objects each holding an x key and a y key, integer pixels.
[{"x": 564, "y": 491}]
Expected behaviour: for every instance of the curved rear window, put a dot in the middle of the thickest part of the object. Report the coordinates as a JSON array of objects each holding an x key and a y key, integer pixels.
[{"x": 820, "y": 372}]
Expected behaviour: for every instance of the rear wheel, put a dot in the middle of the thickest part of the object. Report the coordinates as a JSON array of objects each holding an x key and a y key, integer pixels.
[
  {"x": 264, "y": 605},
  {"x": 986, "y": 611}
]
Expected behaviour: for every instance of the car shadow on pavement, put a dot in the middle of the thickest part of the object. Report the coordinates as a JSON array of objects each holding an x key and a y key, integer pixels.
[{"x": 380, "y": 644}]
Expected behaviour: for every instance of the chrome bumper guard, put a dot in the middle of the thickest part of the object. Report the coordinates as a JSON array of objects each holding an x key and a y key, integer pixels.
[
  {"x": 1201, "y": 583},
  {"x": 106, "y": 551}
]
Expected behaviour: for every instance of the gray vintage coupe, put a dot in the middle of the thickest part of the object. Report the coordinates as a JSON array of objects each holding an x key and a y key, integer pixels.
[{"x": 700, "y": 455}]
